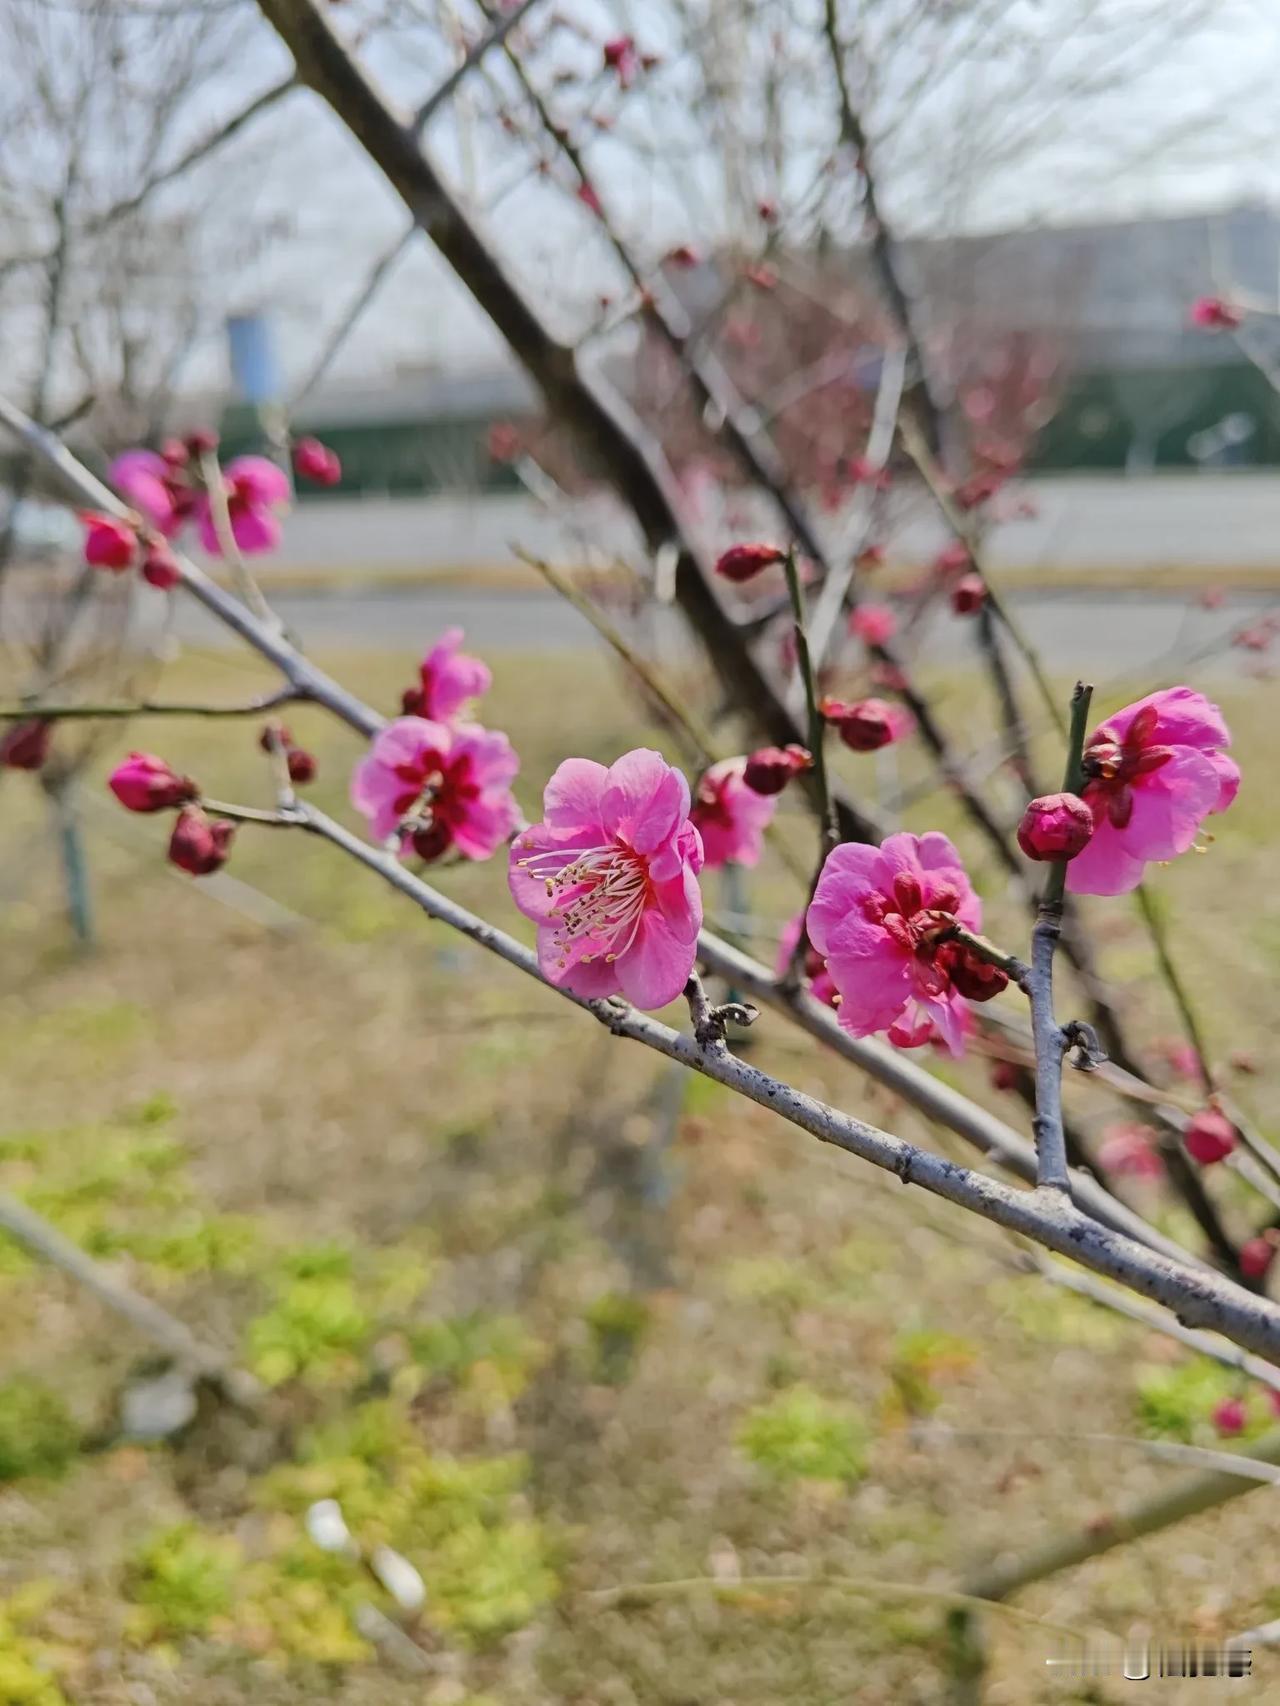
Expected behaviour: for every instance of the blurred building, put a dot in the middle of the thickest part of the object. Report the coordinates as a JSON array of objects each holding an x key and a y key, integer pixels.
[{"x": 1134, "y": 385}]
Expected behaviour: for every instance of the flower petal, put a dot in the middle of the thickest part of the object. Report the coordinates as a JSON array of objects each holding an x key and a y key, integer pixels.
[
  {"x": 573, "y": 795},
  {"x": 656, "y": 967},
  {"x": 645, "y": 800}
]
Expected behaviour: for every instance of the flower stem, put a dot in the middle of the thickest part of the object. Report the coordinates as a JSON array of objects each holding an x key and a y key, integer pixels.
[{"x": 1050, "y": 1039}]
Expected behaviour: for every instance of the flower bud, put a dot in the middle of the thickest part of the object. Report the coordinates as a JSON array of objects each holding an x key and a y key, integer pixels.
[
  {"x": 1210, "y": 1137},
  {"x": 1056, "y": 826},
  {"x": 1004, "y": 1075},
  {"x": 315, "y": 461},
  {"x": 202, "y": 440},
  {"x": 968, "y": 595},
  {"x": 175, "y": 453},
  {"x": 145, "y": 783},
  {"x": 864, "y": 726},
  {"x": 769, "y": 770},
  {"x": 1256, "y": 1255},
  {"x": 200, "y": 844},
  {"x": 1230, "y": 1417},
  {"x": 25, "y": 746},
  {"x": 108, "y": 543},
  {"x": 870, "y": 558},
  {"x": 744, "y": 562},
  {"x": 160, "y": 566},
  {"x": 302, "y": 765}
]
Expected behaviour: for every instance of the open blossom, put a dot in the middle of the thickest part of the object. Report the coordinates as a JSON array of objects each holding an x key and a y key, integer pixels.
[
  {"x": 730, "y": 816},
  {"x": 256, "y": 491},
  {"x": 816, "y": 974},
  {"x": 1153, "y": 772},
  {"x": 876, "y": 916},
  {"x": 448, "y": 678},
  {"x": 443, "y": 785},
  {"x": 874, "y": 624},
  {"x": 152, "y": 484},
  {"x": 611, "y": 879},
  {"x": 145, "y": 783}
]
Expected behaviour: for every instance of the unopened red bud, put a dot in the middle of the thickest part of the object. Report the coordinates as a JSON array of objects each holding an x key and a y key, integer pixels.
[
  {"x": 864, "y": 726},
  {"x": 431, "y": 842},
  {"x": 684, "y": 255},
  {"x": 108, "y": 542},
  {"x": 200, "y": 844},
  {"x": 202, "y": 440},
  {"x": 273, "y": 735},
  {"x": 1004, "y": 1075},
  {"x": 302, "y": 765},
  {"x": 743, "y": 562},
  {"x": 160, "y": 566},
  {"x": 1230, "y": 1416},
  {"x": 1056, "y": 826},
  {"x": 145, "y": 783},
  {"x": 1210, "y": 1137},
  {"x": 768, "y": 210},
  {"x": 25, "y": 746},
  {"x": 769, "y": 770},
  {"x": 175, "y": 453},
  {"x": 1257, "y": 1255},
  {"x": 968, "y": 595},
  {"x": 315, "y": 461}
]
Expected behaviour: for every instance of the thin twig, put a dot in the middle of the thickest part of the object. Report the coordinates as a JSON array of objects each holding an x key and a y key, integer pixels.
[
  {"x": 1050, "y": 1038},
  {"x": 495, "y": 37},
  {"x": 216, "y": 490},
  {"x": 35, "y": 710}
]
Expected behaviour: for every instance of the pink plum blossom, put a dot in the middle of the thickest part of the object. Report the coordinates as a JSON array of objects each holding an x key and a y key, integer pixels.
[
  {"x": 876, "y": 916},
  {"x": 816, "y": 974},
  {"x": 150, "y": 483},
  {"x": 1127, "y": 1150},
  {"x": 449, "y": 678},
  {"x": 731, "y": 817},
  {"x": 610, "y": 876},
  {"x": 444, "y": 785},
  {"x": 874, "y": 624},
  {"x": 1153, "y": 772},
  {"x": 256, "y": 490}
]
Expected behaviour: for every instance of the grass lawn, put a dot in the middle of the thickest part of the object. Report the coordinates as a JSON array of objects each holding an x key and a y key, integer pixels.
[{"x": 543, "y": 1316}]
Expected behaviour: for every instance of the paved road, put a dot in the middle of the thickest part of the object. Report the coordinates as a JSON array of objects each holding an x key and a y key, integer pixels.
[
  {"x": 1073, "y": 631},
  {"x": 1081, "y": 522}
]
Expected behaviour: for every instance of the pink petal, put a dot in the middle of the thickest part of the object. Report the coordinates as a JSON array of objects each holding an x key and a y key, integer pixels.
[
  {"x": 680, "y": 902},
  {"x": 494, "y": 761},
  {"x": 656, "y": 967},
  {"x": 594, "y": 981},
  {"x": 645, "y": 800},
  {"x": 950, "y": 1016},
  {"x": 1184, "y": 718},
  {"x": 255, "y": 530},
  {"x": 262, "y": 482},
  {"x": 1105, "y": 866},
  {"x": 1170, "y": 804},
  {"x": 139, "y": 475},
  {"x": 487, "y": 824},
  {"x": 572, "y": 797},
  {"x": 1228, "y": 779}
]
